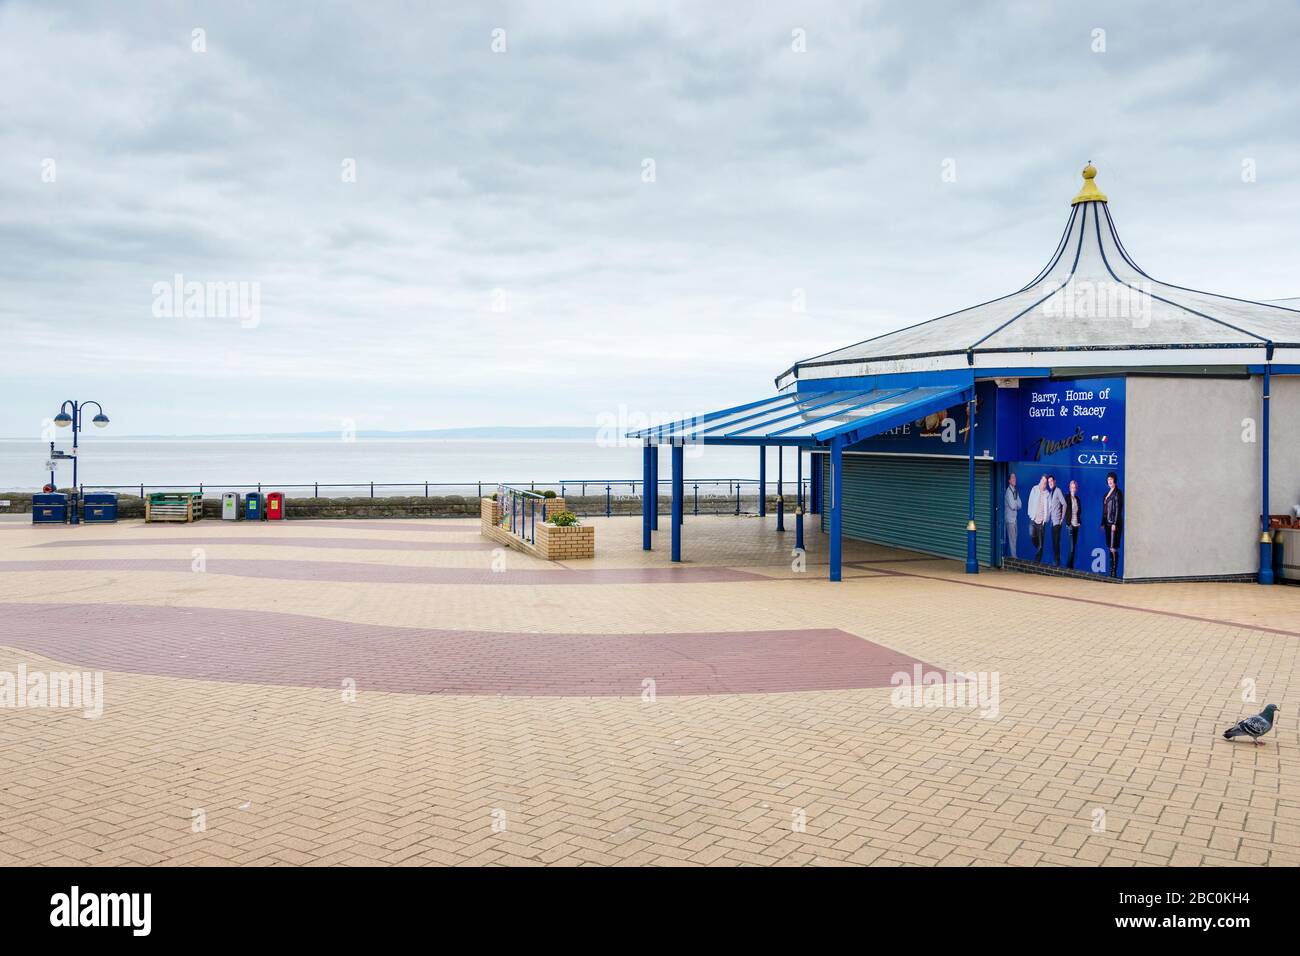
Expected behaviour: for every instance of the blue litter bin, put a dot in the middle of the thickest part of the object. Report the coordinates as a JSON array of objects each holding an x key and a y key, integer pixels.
[
  {"x": 253, "y": 510},
  {"x": 50, "y": 508},
  {"x": 99, "y": 506}
]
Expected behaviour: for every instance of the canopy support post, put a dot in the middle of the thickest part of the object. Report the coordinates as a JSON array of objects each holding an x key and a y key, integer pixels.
[
  {"x": 837, "y": 506},
  {"x": 780, "y": 487},
  {"x": 679, "y": 486},
  {"x": 972, "y": 559},
  {"x": 1265, "y": 532},
  {"x": 798, "y": 497},
  {"x": 815, "y": 487},
  {"x": 762, "y": 481},
  {"x": 647, "y": 493},
  {"x": 654, "y": 481}
]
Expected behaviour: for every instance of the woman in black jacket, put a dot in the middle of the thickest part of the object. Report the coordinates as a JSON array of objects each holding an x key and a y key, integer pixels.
[
  {"x": 1073, "y": 519},
  {"x": 1112, "y": 520}
]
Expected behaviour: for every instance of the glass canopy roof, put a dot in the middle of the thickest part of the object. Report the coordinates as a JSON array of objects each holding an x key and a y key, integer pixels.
[{"x": 806, "y": 418}]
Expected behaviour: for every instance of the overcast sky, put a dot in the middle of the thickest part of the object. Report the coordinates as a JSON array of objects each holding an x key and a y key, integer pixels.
[{"x": 618, "y": 209}]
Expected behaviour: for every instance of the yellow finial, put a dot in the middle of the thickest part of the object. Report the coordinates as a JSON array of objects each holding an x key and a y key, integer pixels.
[{"x": 1089, "y": 192}]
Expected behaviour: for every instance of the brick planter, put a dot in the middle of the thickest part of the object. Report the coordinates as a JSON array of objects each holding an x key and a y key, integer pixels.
[
  {"x": 551, "y": 544},
  {"x": 562, "y": 544}
]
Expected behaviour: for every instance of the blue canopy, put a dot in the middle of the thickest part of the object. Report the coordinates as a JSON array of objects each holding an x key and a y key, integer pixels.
[{"x": 807, "y": 419}]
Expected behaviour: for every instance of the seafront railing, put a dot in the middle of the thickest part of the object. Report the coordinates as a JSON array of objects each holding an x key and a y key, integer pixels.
[
  {"x": 586, "y": 496},
  {"x": 520, "y": 510}
]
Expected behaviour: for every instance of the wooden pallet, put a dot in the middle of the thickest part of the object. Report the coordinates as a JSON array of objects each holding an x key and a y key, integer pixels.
[{"x": 177, "y": 507}]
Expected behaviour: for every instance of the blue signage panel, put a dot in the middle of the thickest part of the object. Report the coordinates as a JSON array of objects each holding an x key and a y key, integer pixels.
[
  {"x": 1071, "y": 438},
  {"x": 1075, "y": 422},
  {"x": 944, "y": 432}
]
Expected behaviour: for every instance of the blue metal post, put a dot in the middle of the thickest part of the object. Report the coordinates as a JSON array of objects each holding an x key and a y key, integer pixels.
[
  {"x": 1265, "y": 533},
  {"x": 679, "y": 486},
  {"x": 654, "y": 480},
  {"x": 837, "y": 506},
  {"x": 815, "y": 492},
  {"x": 647, "y": 490},
  {"x": 972, "y": 560},
  {"x": 780, "y": 488},
  {"x": 798, "y": 498},
  {"x": 76, "y": 428},
  {"x": 762, "y": 481},
  {"x": 74, "y": 419}
]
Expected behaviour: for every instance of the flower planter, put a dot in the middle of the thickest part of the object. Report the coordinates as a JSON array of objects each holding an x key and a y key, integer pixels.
[
  {"x": 550, "y": 543},
  {"x": 563, "y": 544}
]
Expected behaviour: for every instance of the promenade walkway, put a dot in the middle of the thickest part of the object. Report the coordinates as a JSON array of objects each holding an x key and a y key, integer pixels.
[{"x": 394, "y": 692}]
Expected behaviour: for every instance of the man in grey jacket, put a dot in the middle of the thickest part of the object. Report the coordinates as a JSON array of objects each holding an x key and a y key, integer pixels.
[
  {"x": 1056, "y": 510},
  {"x": 1039, "y": 516},
  {"x": 1012, "y": 513}
]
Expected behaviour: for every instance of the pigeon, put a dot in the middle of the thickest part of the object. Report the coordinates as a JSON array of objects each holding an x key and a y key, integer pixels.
[{"x": 1253, "y": 727}]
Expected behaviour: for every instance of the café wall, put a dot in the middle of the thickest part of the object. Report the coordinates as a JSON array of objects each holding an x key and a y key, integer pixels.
[
  {"x": 1193, "y": 483},
  {"x": 1284, "y": 448}
]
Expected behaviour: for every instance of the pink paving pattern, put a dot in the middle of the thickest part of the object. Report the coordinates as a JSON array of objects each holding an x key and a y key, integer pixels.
[
  {"x": 391, "y": 574},
  {"x": 442, "y": 525},
  {"x": 279, "y": 541},
  {"x": 260, "y": 647}
]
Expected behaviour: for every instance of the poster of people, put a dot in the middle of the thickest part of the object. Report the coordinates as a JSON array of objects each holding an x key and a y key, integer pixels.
[
  {"x": 941, "y": 432},
  {"x": 1063, "y": 504}
]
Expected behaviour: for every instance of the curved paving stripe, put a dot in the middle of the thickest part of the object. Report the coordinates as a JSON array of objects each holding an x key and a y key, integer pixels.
[
  {"x": 391, "y": 574},
  {"x": 259, "y": 647},
  {"x": 279, "y": 541},
  {"x": 443, "y": 525}
]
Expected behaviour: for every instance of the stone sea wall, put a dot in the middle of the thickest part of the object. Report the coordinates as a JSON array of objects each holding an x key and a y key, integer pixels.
[{"x": 436, "y": 506}]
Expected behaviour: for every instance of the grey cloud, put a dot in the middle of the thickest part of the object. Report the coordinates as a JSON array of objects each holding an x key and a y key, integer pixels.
[{"x": 522, "y": 171}]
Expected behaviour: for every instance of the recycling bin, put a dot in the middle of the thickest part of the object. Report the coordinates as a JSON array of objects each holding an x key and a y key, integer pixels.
[
  {"x": 50, "y": 508},
  {"x": 253, "y": 506},
  {"x": 275, "y": 506},
  {"x": 230, "y": 510},
  {"x": 99, "y": 506}
]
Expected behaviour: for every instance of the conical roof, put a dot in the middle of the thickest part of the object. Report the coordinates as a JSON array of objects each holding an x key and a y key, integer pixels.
[{"x": 1091, "y": 305}]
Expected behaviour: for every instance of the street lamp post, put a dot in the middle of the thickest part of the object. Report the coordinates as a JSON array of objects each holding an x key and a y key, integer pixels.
[{"x": 70, "y": 413}]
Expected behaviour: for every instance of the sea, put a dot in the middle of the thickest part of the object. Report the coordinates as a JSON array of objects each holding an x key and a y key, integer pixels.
[{"x": 334, "y": 468}]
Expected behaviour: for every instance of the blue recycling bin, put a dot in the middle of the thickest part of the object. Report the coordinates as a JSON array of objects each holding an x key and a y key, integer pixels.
[
  {"x": 50, "y": 508},
  {"x": 99, "y": 506},
  {"x": 253, "y": 510}
]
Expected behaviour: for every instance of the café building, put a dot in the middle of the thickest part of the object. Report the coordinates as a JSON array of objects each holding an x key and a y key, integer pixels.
[{"x": 1150, "y": 429}]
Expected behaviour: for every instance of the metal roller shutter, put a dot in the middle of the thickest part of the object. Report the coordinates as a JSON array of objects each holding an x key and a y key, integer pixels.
[{"x": 914, "y": 503}]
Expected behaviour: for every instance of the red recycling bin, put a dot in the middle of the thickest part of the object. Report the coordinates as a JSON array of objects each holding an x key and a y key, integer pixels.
[{"x": 275, "y": 506}]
